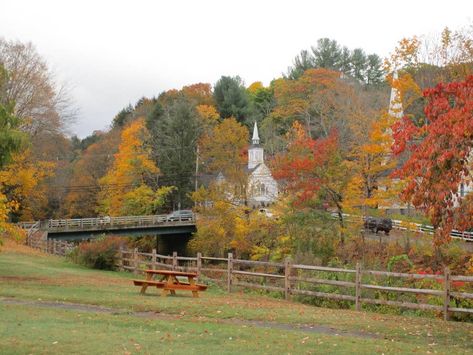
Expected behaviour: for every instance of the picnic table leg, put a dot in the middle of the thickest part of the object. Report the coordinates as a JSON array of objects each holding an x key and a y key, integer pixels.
[
  {"x": 169, "y": 281},
  {"x": 174, "y": 280},
  {"x": 145, "y": 285},
  {"x": 192, "y": 282}
]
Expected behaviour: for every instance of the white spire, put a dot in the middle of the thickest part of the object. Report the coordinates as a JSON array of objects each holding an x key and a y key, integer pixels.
[
  {"x": 395, "y": 104},
  {"x": 255, "y": 135}
]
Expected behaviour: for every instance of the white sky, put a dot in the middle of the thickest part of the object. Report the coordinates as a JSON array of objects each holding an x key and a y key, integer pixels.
[{"x": 114, "y": 52}]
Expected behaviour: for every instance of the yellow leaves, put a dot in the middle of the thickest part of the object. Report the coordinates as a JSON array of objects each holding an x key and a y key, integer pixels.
[
  {"x": 143, "y": 200},
  {"x": 22, "y": 179},
  {"x": 405, "y": 54},
  {"x": 223, "y": 150},
  {"x": 131, "y": 169},
  {"x": 253, "y": 88}
]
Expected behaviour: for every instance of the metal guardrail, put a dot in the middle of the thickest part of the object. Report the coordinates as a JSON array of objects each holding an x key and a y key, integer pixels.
[{"x": 417, "y": 227}]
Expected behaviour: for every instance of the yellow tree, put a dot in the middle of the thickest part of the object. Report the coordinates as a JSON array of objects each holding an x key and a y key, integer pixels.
[
  {"x": 222, "y": 225},
  {"x": 224, "y": 150},
  {"x": 22, "y": 183},
  {"x": 126, "y": 187},
  {"x": 371, "y": 163},
  {"x": 94, "y": 162}
]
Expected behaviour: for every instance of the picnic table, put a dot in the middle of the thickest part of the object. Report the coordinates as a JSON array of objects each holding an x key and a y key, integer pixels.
[{"x": 169, "y": 282}]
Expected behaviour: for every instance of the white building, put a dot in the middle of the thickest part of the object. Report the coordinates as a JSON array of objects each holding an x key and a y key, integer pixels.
[{"x": 262, "y": 189}]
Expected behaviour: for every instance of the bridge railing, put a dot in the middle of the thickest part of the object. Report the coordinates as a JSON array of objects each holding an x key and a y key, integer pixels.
[{"x": 113, "y": 222}]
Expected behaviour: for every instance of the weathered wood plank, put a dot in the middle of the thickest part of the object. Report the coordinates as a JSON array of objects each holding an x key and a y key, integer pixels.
[
  {"x": 322, "y": 268},
  {"x": 323, "y": 281},
  {"x": 324, "y": 294},
  {"x": 254, "y": 262},
  {"x": 403, "y": 289},
  {"x": 261, "y": 274},
  {"x": 403, "y": 304},
  {"x": 400, "y": 274}
]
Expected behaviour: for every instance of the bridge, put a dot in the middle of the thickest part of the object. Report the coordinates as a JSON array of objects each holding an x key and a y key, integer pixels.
[{"x": 85, "y": 228}]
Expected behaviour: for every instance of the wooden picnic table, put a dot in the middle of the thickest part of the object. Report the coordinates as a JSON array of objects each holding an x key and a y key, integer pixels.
[{"x": 169, "y": 282}]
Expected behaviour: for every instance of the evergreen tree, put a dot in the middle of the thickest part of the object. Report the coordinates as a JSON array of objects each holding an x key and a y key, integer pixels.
[
  {"x": 231, "y": 98},
  {"x": 175, "y": 130}
]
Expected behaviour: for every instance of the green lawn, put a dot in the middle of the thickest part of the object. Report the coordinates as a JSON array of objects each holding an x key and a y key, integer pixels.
[{"x": 48, "y": 305}]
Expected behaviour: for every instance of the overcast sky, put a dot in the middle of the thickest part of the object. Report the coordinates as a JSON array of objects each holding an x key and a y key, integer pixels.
[{"x": 114, "y": 52}]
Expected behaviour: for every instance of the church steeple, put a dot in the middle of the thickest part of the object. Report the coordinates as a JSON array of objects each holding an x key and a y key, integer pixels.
[
  {"x": 255, "y": 134},
  {"x": 255, "y": 152},
  {"x": 395, "y": 104}
]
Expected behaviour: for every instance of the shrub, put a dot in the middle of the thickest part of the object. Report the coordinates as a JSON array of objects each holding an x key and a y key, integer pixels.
[{"x": 100, "y": 253}]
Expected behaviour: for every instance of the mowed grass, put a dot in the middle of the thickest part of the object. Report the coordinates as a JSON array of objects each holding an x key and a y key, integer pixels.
[{"x": 43, "y": 309}]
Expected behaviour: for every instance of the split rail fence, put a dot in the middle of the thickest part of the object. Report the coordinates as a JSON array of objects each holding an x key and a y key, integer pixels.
[{"x": 431, "y": 292}]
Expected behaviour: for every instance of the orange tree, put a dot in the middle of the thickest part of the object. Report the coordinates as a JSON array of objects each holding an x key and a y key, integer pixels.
[{"x": 129, "y": 186}]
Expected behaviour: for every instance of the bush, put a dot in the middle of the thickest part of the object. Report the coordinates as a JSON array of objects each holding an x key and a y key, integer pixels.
[{"x": 100, "y": 253}]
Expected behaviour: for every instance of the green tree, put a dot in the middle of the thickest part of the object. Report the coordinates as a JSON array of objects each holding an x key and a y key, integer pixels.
[
  {"x": 11, "y": 138},
  {"x": 327, "y": 54},
  {"x": 358, "y": 64},
  {"x": 231, "y": 98},
  {"x": 374, "y": 70},
  {"x": 175, "y": 131}
]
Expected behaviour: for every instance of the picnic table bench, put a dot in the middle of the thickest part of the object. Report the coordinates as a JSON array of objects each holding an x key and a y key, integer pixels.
[{"x": 169, "y": 282}]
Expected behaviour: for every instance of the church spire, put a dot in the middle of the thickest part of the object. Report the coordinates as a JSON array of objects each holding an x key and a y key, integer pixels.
[
  {"x": 255, "y": 151},
  {"x": 395, "y": 104},
  {"x": 255, "y": 135}
]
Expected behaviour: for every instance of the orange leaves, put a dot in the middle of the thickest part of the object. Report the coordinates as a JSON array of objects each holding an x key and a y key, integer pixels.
[{"x": 131, "y": 169}]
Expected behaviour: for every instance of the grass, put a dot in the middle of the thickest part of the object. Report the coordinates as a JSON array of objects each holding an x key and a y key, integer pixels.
[{"x": 33, "y": 285}]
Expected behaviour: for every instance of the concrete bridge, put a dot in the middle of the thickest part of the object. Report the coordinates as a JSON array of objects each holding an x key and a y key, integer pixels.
[
  {"x": 85, "y": 228},
  {"x": 172, "y": 233}
]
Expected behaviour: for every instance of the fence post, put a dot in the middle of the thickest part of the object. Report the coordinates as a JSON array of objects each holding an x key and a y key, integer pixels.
[
  {"x": 358, "y": 287},
  {"x": 446, "y": 299},
  {"x": 54, "y": 246},
  {"x": 287, "y": 275},
  {"x": 229, "y": 272},
  {"x": 174, "y": 260},
  {"x": 154, "y": 258},
  {"x": 121, "y": 262},
  {"x": 135, "y": 260},
  {"x": 199, "y": 263}
]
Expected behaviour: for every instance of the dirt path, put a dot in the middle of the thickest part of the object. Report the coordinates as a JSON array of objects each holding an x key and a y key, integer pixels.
[{"x": 164, "y": 316}]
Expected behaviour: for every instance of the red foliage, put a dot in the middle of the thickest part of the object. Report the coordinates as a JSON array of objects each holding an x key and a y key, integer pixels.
[
  {"x": 440, "y": 156},
  {"x": 305, "y": 168}
]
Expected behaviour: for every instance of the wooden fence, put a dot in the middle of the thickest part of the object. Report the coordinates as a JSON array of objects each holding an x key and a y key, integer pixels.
[
  {"x": 50, "y": 246},
  {"x": 295, "y": 279},
  {"x": 416, "y": 291}
]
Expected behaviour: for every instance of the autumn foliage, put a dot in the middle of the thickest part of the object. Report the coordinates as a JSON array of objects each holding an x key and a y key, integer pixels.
[{"x": 440, "y": 157}]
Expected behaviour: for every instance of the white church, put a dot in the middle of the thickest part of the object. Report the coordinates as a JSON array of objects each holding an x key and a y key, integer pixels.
[{"x": 262, "y": 189}]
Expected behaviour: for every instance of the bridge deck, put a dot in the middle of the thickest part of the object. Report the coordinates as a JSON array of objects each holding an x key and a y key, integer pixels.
[{"x": 114, "y": 223}]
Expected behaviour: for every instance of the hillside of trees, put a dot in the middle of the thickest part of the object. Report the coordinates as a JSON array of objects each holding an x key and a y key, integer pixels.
[{"x": 326, "y": 131}]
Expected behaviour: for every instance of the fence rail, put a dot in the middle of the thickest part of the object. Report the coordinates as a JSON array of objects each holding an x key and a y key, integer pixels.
[{"x": 350, "y": 285}]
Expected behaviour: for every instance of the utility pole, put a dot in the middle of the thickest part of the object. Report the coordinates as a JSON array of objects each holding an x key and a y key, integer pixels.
[{"x": 196, "y": 171}]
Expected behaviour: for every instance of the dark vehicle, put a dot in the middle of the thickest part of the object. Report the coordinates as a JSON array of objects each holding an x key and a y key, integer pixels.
[
  {"x": 379, "y": 224},
  {"x": 180, "y": 215}
]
